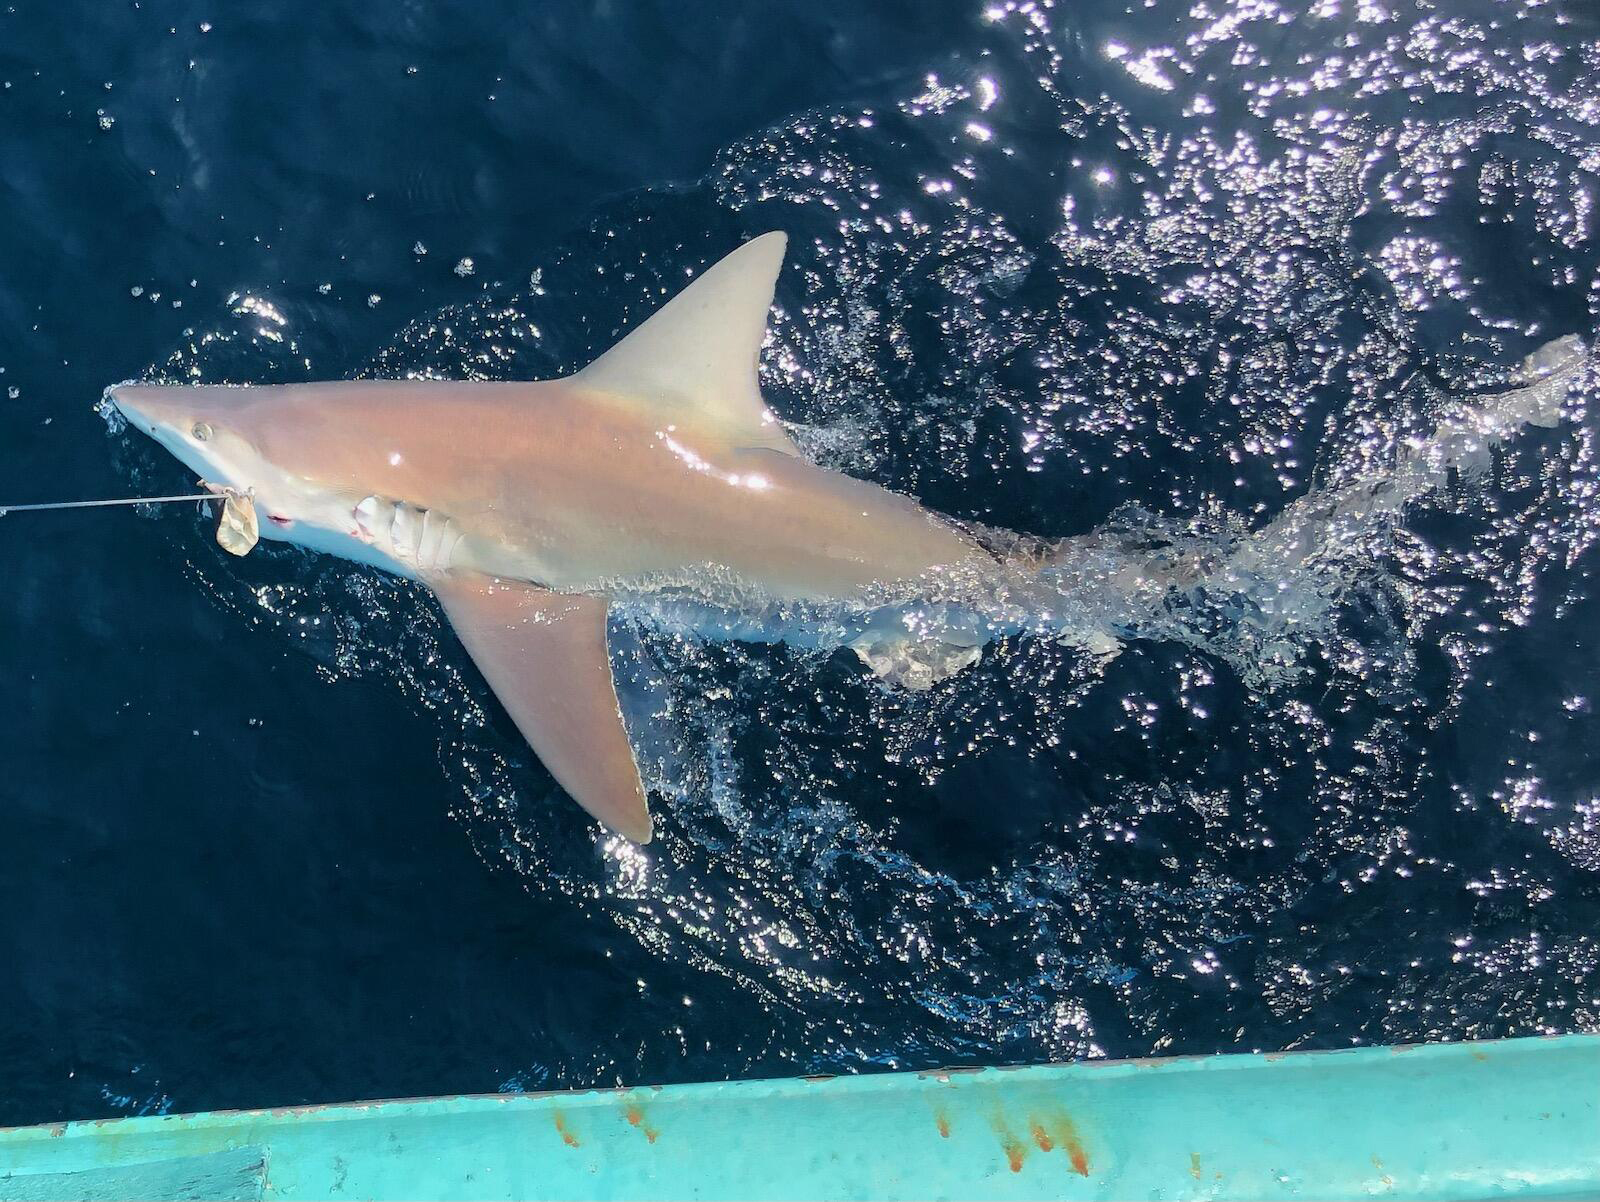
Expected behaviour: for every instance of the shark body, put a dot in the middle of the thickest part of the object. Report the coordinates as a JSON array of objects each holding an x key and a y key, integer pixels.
[
  {"x": 657, "y": 479},
  {"x": 529, "y": 507}
]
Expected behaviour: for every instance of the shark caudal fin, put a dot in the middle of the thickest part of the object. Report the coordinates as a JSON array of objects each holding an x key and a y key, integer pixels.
[
  {"x": 696, "y": 357},
  {"x": 544, "y": 655}
]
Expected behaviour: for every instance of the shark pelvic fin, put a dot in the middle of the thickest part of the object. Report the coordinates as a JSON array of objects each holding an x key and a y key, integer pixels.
[
  {"x": 544, "y": 655},
  {"x": 697, "y": 355}
]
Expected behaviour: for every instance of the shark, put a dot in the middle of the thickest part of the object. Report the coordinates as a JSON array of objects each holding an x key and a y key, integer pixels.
[
  {"x": 528, "y": 508},
  {"x": 657, "y": 480}
]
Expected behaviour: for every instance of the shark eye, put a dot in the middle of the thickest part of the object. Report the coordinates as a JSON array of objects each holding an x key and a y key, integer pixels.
[{"x": 201, "y": 431}]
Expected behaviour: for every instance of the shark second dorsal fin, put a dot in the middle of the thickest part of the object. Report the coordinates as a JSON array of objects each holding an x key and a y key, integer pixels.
[{"x": 697, "y": 355}]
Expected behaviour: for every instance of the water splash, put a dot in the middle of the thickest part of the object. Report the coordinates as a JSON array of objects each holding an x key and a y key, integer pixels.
[{"x": 1263, "y": 600}]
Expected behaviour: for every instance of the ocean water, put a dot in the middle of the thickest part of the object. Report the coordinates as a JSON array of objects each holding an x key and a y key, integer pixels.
[{"x": 1145, "y": 275}]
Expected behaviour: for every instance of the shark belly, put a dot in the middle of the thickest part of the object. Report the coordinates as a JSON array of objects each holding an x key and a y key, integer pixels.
[{"x": 395, "y": 536}]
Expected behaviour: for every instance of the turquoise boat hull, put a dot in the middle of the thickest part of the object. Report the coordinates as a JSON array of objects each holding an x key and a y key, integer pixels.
[{"x": 1512, "y": 1118}]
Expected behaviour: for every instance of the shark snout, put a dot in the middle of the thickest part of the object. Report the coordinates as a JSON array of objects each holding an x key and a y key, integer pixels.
[
  {"x": 119, "y": 397},
  {"x": 178, "y": 418},
  {"x": 138, "y": 404}
]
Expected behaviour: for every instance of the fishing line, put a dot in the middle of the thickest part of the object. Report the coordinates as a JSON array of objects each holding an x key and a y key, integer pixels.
[
  {"x": 237, "y": 529},
  {"x": 199, "y": 496}
]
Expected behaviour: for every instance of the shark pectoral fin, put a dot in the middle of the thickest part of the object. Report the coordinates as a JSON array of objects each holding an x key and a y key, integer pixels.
[
  {"x": 695, "y": 359},
  {"x": 544, "y": 655}
]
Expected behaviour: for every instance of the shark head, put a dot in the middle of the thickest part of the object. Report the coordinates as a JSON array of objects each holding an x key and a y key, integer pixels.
[
  {"x": 200, "y": 428},
  {"x": 223, "y": 434}
]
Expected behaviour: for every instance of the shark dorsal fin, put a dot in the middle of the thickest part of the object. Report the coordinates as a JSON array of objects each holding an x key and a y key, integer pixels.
[{"x": 697, "y": 355}]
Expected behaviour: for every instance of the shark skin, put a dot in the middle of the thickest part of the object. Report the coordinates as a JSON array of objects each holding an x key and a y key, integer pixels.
[{"x": 529, "y": 507}]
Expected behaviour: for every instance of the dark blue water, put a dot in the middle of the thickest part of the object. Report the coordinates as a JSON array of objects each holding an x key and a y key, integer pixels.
[{"x": 264, "y": 837}]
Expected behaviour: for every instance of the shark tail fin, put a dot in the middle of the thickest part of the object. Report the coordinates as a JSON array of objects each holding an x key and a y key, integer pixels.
[
  {"x": 1546, "y": 376},
  {"x": 544, "y": 655},
  {"x": 695, "y": 359}
]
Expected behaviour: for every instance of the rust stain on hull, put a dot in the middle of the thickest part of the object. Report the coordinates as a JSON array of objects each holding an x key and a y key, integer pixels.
[
  {"x": 636, "y": 1117},
  {"x": 1041, "y": 1136},
  {"x": 567, "y": 1137},
  {"x": 1049, "y": 1132},
  {"x": 1059, "y": 1129},
  {"x": 1016, "y": 1151},
  {"x": 1015, "y": 1154}
]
